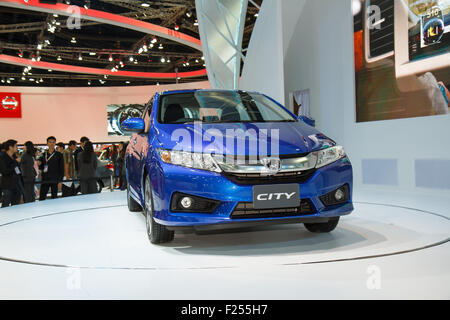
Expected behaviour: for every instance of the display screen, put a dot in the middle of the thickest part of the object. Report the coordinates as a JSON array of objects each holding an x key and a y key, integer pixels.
[{"x": 429, "y": 28}]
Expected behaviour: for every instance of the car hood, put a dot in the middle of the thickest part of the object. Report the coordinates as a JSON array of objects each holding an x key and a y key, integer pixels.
[{"x": 293, "y": 137}]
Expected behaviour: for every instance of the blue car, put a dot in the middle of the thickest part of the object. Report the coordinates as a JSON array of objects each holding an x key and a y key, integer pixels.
[{"x": 202, "y": 160}]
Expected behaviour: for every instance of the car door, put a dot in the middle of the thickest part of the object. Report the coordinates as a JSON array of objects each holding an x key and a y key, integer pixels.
[{"x": 140, "y": 147}]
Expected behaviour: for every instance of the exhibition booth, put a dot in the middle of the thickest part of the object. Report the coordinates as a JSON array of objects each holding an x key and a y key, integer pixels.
[{"x": 387, "y": 105}]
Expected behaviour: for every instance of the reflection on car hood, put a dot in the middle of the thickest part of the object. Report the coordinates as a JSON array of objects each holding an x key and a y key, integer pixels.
[{"x": 293, "y": 137}]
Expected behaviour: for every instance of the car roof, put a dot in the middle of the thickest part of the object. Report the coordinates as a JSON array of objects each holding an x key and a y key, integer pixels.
[{"x": 195, "y": 90}]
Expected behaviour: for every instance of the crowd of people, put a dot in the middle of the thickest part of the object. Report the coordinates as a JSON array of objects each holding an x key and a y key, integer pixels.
[{"x": 70, "y": 170}]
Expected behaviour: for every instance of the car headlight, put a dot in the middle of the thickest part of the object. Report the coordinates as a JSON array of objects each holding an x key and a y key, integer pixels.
[
  {"x": 202, "y": 161},
  {"x": 329, "y": 155}
]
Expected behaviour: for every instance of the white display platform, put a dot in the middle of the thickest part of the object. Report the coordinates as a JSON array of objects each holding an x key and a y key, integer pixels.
[{"x": 93, "y": 247}]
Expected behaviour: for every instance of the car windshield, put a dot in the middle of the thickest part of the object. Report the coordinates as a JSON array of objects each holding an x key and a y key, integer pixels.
[{"x": 220, "y": 107}]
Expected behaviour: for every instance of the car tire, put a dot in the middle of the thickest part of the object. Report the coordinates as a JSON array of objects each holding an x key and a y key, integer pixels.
[
  {"x": 133, "y": 206},
  {"x": 157, "y": 233},
  {"x": 100, "y": 186},
  {"x": 322, "y": 227}
]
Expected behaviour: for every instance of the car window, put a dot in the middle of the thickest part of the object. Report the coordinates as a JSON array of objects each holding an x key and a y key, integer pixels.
[
  {"x": 146, "y": 116},
  {"x": 210, "y": 106}
]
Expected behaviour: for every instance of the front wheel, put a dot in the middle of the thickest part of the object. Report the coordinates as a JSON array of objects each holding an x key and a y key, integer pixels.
[
  {"x": 322, "y": 227},
  {"x": 157, "y": 233}
]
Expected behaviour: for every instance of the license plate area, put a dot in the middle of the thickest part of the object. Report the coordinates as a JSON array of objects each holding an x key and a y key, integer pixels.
[{"x": 276, "y": 196}]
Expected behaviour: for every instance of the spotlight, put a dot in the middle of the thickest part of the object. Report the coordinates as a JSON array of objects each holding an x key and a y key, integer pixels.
[
  {"x": 131, "y": 59},
  {"x": 89, "y": 82},
  {"x": 160, "y": 46},
  {"x": 176, "y": 27},
  {"x": 163, "y": 60},
  {"x": 80, "y": 57},
  {"x": 59, "y": 58},
  {"x": 154, "y": 40},
  {"x": 110, "y": 57},
  {"x": 73, "y": 40},
  {"x": 189, "y": 14},
  {"x": 196, "y": 22},
  {"x": 39, "y": 46}
]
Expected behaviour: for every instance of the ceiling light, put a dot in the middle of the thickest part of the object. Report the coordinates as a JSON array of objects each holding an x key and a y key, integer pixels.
[
  {"x": 356, "y": 7},
  {"x": 203, "y": 58},
  {"x": 131, "y": 59},
  {"x": 20, "y": 53},
  {"x": 256, "y": 15},
  {"x": 196, "y": 61},
  {"x": 154, "y": 40},
  {"x": 189, "y": 14},
  {"x": 160, "y": 46},
  {"x": 196, "y": 22},
  {"x": 55, "y": 15},
  {"x": 146, "y": 5},
  {"x": 92, "y": 53},
  {"x": 135, "y": 62},
  {"x": 177, "y": 27},
  {"x": 31, "y": 79},
  {"x": 168, "y": 60},
  {"x": 89, "y": 82},
  {"x": 23, "y": 78},
  {"x": 80, "y": 57},
  {"x": 8, "y": 81},
  {"x": 50, "y": 70},
  {"x": 127, "y": 82},
  {"x": 110, "y": 57},
  {"x": 41, "y": 80},
  {"x": 140, "y": 50},
  {"x": 73, "y": 40},
  {"x": 163, "y": 60},
  {"x": 59, "y": 58}
]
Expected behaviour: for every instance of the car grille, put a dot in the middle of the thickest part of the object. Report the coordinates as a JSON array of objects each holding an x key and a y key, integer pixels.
[
  {"x": 246, "y": 210},
  {"x": 281, "y": 177},
  {"x": 382, "y": 40}
]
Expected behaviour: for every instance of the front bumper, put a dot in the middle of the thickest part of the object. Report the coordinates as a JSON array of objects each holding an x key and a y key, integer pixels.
[{"x": 168, "y": 179}]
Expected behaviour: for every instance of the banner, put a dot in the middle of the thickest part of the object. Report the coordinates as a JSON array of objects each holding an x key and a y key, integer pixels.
[
  {"x": 10, "y": 105},
  {"x": 402, "y": 59}
]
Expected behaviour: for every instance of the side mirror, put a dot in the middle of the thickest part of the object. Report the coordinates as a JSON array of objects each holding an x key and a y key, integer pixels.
[
  {"x": 133, "y": 125},
  {"x": 307, "y": 120}
]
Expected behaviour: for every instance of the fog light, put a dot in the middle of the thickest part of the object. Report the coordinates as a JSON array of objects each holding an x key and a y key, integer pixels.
[
  {"x": 339, "y": 195},
  {"x": 186, "y": 202}
]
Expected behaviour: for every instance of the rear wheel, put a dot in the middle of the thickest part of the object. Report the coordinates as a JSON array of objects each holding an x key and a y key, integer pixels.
[
  {"x": 322, "y": 227},
  {"x": 133, "y": 206},
  {"x": 157, "y": 233}
]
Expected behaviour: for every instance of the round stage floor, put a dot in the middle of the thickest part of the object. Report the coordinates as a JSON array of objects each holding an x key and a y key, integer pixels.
[{"x": 96, "y": 233}]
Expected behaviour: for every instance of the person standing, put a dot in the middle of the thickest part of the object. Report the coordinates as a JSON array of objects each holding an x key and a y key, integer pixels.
[
  {"x": 68, "y": 188},
  {"x": 27, "y": 165},
  {"x": 60, "y": 147},
  {"x": 87, "y": 165},
  {"x": 121, "y": 166},
  {"x": 83, "y": 141},
  {"x": 52, "y": 166},
  {"x": 11, "y": 183}
]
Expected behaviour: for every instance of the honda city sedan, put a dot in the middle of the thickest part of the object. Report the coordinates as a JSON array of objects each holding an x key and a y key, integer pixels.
[{"x": 217, "y": 159}]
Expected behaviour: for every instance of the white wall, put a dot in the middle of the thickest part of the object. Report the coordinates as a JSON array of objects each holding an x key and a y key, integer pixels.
[
  {"x": 319, "y": 56},
  {"x": 70, "y": 113},
  {"x": 263, "y": 68}
]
